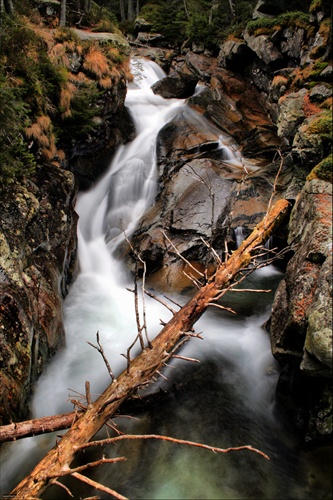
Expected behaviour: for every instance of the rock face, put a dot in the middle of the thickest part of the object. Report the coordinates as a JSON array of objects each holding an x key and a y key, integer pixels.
[
  {"x": 301, "y": 325},
  {"x": 37, "y": 262}
]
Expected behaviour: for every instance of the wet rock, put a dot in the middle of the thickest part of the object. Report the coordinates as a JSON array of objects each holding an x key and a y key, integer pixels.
[
  {"x": 204, "y": 194},
  {"x": 291, "y": 45},
  {"x": 154, "y": 39},
  {"x": 236, "y": 108},
  {"x": 89, "y": 157},
  {"x": 162, "y": 57},
  {"x": 200, "y": 64},
  {"x": 176, "y": 85},
  {"x": 141, "y": 25}
]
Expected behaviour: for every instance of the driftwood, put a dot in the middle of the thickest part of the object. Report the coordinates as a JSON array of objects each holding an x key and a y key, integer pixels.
[{"x": 149, "y": 362}]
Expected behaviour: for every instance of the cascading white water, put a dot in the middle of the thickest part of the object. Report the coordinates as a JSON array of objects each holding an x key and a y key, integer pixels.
[{"x": 99, "y": 301}]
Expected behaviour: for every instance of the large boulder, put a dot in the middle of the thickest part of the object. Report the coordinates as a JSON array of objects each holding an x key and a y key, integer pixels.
[
  {"x": 176, "y": 85},
  {"x": 205, "y": 193}
]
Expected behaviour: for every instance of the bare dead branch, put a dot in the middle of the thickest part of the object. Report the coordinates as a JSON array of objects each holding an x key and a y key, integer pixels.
[
  {"x": 214, "y": 449},
  {"x": 69, "y": 472},
  {"x": 173, "y": 301},
  {"x": 252, "y": 290},
  {"x": 195, "y": 282},
  {"x": 57, "y": 483},
  {"x": 213, "y": 251},
  {"x": 186, "y": 359},
  {"x": 101, "y": 351},
  {"x": 213, "y": 304},
  {"x": 98, "y": 486},
  {"x": 275, "y": 180},
  {"x": 172, "y": 333},
  {"x": 88, "y": 395},
  {"x": 151, "y": 295},
  {"x": 181, "y": 256}
]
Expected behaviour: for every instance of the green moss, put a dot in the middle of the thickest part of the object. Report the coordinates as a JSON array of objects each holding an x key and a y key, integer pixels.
[
  {"x": 267, "y": 26},
  {"x": 317, "y": 68},
  {"x": 324, "y": 170},
  {"x": 322, "y": 124}
]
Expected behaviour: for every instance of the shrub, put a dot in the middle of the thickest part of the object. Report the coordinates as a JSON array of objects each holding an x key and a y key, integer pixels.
[
  {"x": 84, "y": 108},
  {"x": 15, "y": 158}
]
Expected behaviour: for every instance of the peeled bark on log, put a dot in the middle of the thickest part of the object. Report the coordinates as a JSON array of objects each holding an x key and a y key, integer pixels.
[{"x": 144, "y": 366}]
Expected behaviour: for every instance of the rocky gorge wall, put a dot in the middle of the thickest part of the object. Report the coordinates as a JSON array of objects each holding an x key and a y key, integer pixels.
[
  {"x": 38, "y": 241},
  {"x": 254, "y": 93}
]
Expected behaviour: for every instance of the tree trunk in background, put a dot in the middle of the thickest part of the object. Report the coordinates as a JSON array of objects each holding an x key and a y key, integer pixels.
[
  {"x": 63, "y": 13},
  {"x": 131, "y": 10},
  {"x": 87, "y": 6},
  {"x": 6, "y": 6},
  {"x": 122, "y": 10},
  {"x": 148, "y": 363},
  {"x": 232, "y": 7}
]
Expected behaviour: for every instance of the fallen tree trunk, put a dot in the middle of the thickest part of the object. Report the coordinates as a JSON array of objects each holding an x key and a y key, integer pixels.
[{"x": 151, "y": 360}]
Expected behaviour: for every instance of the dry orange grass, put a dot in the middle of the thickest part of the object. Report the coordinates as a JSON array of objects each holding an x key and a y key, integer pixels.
[
  {"x": 59, "y": 56},
  {"x": 67, "y": 93},
  {"x": 41, "y": 131},
  {"x": 96, "y": 63},
  {"x": 106, "y": 82},
  {"x": 279, "y": 81}
]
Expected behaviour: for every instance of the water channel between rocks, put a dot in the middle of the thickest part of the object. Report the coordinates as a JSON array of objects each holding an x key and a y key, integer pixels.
[{"x": 225, "y": 400}]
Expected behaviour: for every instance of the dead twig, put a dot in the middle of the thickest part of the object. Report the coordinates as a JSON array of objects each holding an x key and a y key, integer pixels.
[
  {"x": 88, "y": 394},
  {"x": 101, "y": 351},
  {"x": 99, "y": 486},
  {"x": 181, "y": 256},
  {"x": 152, "y": 296},
  {"x": 276, "y": 179},
  {"x": 214, "y": 449},
  {"x": 69, "y": 472}
]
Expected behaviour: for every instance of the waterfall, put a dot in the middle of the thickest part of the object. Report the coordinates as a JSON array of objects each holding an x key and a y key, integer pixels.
[{"x": 235, "y": 353}]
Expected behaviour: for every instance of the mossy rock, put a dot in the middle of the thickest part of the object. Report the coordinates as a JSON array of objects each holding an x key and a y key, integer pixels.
[{"x": 323, "y": 170}]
